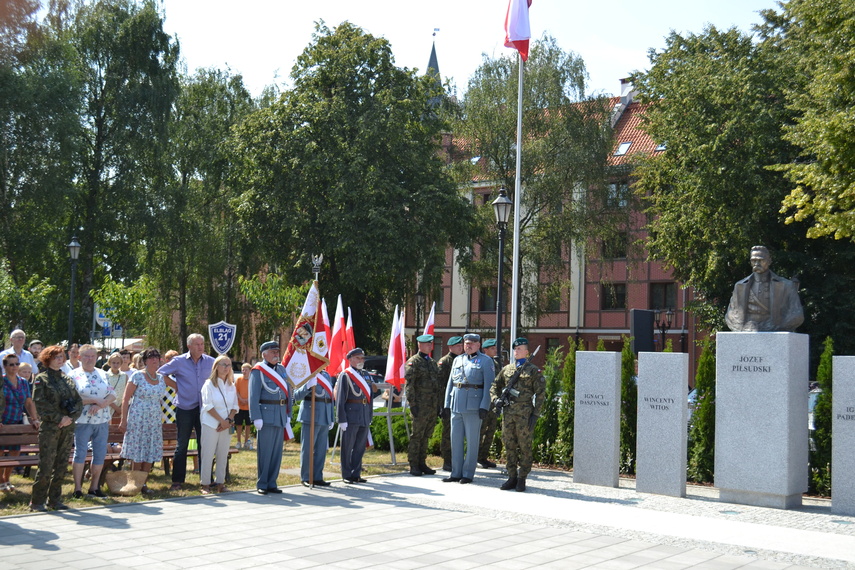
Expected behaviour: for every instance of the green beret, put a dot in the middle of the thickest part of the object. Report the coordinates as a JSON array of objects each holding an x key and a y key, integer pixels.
[
  {"x": 489, "y": 342},
  {"x": 520, "y": 341},
  {"x": 454, "y": 340},
  {"x": 425, "y": 338}
]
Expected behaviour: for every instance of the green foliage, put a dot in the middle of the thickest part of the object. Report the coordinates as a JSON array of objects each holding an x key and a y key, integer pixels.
[
  {"x": 701, "y": 461},
  {"x": 545, "y": 439},
  {"x": 564, "y": 148},
  {"x": 819, "y": 38},
  {"x": 669, "y": 345},
  {"x": 275, "y": 301},
  {"x": 820, "y": 454},
  {"x": 716, "y": 99},
  {"x": 628, "y": 408},
  {"x": 380, "y": 431},
  {"x": 346, "y": 164},
  {"x": 567, "y": 406},
  {"x": 601, "y": 345},
  {"x": 129, "y": 305},
  {"x": 24, "y": 306}
]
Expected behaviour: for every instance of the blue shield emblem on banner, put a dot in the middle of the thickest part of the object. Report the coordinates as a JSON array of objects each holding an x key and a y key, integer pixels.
[{"x": 222, "y": 336}]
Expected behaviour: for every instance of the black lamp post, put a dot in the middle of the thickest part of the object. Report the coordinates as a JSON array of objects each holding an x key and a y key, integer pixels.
[
  {"x": 74, "y": 251},
  {"x": 662, "y": 325},
  {"x": 502, "y": 207},
  {"x": 420, "y": 307}
]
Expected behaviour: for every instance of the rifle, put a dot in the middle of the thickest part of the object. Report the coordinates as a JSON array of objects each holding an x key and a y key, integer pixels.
[{"x": 510, "y": 394}]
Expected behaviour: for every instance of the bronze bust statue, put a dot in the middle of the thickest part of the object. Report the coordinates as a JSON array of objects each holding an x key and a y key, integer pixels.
[{"x": 764, "y": 301}]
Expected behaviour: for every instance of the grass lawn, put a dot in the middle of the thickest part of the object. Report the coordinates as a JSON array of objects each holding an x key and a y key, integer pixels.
[{"x": 242, "y": 468}]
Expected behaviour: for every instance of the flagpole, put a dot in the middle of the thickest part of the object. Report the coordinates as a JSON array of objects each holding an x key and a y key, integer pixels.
[
  {"x": 518, "y": 199},
  {"x": 316, "y": 269}
]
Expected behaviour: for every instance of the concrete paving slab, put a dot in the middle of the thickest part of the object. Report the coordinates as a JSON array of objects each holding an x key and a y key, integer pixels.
[{"x": 556, "y": 524}]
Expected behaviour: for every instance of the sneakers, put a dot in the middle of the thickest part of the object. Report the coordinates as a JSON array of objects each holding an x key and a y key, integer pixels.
[
  {"x": 248, "y": 445},
  {"x": 239, "y": 445}
]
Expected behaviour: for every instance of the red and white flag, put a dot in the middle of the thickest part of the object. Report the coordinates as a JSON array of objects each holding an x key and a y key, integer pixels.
[
  {"x": 429, "y": 321},
  {"x": 306, "y": 354},
  {"x": 349, "y": 339},
  {"x": 337, "y": 352},
  {"x": 395, "y": 360},
  {"x": 517, "y": 27},
  {"x": 322, "y": 380}
]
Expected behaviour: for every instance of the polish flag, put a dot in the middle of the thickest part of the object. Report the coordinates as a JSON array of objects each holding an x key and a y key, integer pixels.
[
  {"x": 395, "y": 360},
  {"x": 320, "y": 378},
  {"x": 337, "y": 352},
  {"x": 429, "y": 321},
  {"x": 349, "y": 339},
  {"x": 517, "y": 27}
]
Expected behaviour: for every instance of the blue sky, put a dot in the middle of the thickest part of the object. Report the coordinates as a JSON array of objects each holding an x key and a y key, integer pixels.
[{"x": 261, "y": 39}]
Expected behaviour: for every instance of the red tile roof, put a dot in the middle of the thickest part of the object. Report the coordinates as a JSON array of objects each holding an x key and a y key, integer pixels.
[{"x": 628, "y": 129}]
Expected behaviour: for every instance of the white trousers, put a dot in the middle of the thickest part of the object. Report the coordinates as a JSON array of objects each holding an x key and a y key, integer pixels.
[{"x": 214, "y": 443}]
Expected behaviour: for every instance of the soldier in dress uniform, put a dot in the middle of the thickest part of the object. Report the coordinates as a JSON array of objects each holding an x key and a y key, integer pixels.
[
  {"x": 455, "y": 349},
  {"x": 270, "y": 410},
  {"x": 324, "y": 418},
  {"x": 521, "y": 415},
  {"x": 423, "y": 396},
  {"x": 355, "y": 408},
  {"x": 467, "y": 399},
  {"x": 491, "y": 421}
]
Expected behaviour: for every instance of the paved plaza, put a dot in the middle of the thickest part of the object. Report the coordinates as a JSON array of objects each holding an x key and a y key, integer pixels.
[{"x": 399, "y": 521}]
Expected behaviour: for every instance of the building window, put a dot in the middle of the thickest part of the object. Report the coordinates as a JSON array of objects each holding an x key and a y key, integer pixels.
[
  {"x": 613, "y": 296},
  {"x": 552, "y": 344},
  {"x": 438, "y": 346},
  {"x": 663, "y": 295},
  {"x": 623, "y": 148},
  {"x": 487, "y": 300},
  {"x": 440, "y": 301},
  {"x": 616, "y": 246},
  {"x": 618, "y": 195}
]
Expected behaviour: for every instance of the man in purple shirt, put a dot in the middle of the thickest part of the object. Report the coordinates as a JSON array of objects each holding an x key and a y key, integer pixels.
[{"x": 190, "y": 371}]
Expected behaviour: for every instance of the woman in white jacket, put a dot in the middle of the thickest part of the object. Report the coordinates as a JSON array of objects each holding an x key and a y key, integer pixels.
[{"x": 219, "y": 406}]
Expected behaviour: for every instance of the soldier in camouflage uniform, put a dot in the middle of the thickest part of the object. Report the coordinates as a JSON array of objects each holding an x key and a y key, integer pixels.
[
  {"x": 423, "y": 397},
  {"x": 455, "y": 349},
  {"x": 520, "y": 417},
  {"x": 58, "y": 404},
  {"x": 491, "y": 421}
]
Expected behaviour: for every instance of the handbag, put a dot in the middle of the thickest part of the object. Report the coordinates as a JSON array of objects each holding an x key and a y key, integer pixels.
[{"x": 126, "y": 483}]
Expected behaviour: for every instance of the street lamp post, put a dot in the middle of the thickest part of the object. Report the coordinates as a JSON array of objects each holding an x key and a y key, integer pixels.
[
  {"x": 74, "y": 251},
  {"x": 663, "y": 324},
  {"x": 502, "y": 209}
]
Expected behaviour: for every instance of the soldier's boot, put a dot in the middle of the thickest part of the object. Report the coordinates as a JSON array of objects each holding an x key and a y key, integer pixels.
[
  {"x": 520, "y": 484},
  {"x": 511, "y": 483},
  {"x": 426, "y": 470},
  {"x": 415, "y": 470}
]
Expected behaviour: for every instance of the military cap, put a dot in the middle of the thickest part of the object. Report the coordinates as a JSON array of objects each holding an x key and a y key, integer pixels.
[
  {"x": 472, "y": 337},
  {"x": 454, "y": 340},
  {"x": 489, "y": 342},
  {"x": 356, "y": 352},
  {"x": 520, "y": 341},
  {"x": 425, "y": 338},
  {"x": 270, "y": 345}
]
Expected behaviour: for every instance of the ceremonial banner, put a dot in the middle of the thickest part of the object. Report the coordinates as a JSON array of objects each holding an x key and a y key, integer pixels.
[
  {"x": 222, "y": 336},
  {"x": 429, "y": 321},
  {"x": 322, "y": 381},
  {"x": 349, "y": 339},
  {"x": 517, "y": 27},
  {"x": 307, "y": 350}
]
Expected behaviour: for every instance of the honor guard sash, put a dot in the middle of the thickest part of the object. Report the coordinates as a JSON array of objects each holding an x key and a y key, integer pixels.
[{"x": 360, "y": 381}]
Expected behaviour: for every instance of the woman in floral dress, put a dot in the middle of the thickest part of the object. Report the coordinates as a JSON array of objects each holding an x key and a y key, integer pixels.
[{"x": 143, "y": 443}]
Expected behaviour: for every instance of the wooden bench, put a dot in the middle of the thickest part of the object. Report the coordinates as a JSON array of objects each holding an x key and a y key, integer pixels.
[{"x": 28, "y": 438}]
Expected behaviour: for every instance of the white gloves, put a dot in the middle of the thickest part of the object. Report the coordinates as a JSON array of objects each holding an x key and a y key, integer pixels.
[
  {"x": 313, "y": 382},
  {"x": 343, "y": 426},
  {"x": 258, "y": 424}
]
